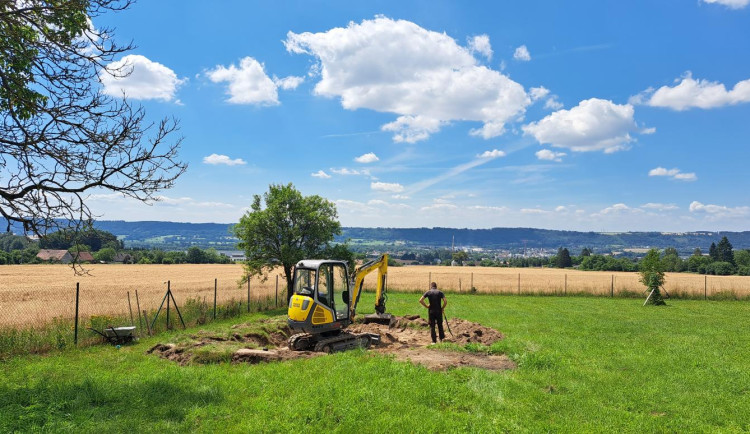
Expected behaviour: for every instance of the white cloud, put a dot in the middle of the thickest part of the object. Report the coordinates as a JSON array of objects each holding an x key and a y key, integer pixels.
[
  {"x": 248, "y": 83},
  {"x": 369, "y": 157},
  {"x": 400, "y": 197},
  {"x": 411, "y": 129},
  {"x": 439, "y": 207},
  {"x": 593, "y": 125},
  {"x": 288, "y": 83},
  {"x": 387, "y": 186},
  {"x": 425, "y": 77},
  {"x": 481, "y": 44},
  {"x": 216, "y": 159},
  {"x": 660, "y": 206},
  {"x": 719, "y": 211},
  {"x": 546, "y": 154},
  {"x": 618, "y": 208},
  {"x": 345, "y": 171},
  {"x": 485, "y": 208},
  {"x": 731, "y": 4},
  {"x": 553, "y": 104},
  {"x": 320, "y": 174},
  {"x": 673, "y": 173},
  {"x": 188, "y": 201},
  {"x": 491, "y": 154},
  {"x": 533, "y": 211},
  {"x": 691, "y": 93},
  {"x": 537, "y": 93},
  {"x": 140, "y": 78},
  {"x": 522, "y": 54}
]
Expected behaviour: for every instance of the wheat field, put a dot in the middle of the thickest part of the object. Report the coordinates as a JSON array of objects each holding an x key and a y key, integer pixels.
[{"x": 34, "y": 294}]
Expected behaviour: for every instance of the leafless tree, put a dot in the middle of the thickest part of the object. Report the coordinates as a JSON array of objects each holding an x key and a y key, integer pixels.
[{"x": 61, "y": 138}]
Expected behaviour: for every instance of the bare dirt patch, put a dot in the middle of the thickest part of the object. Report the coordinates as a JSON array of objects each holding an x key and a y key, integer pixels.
[{"x": 406, "y": 339}]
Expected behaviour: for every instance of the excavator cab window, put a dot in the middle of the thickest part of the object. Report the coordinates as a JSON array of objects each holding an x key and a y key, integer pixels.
[
  {"x": 304, "y": 282},
  {"x": 341, "y": 291},
  {"x": 325, "y": 285}
]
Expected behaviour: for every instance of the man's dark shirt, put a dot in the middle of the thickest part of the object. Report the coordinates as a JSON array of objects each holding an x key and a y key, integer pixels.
[{"x": 435, "y": 298}]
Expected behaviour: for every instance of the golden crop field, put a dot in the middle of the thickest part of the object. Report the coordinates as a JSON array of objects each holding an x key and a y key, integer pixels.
[{"x": 33, "y": 294}]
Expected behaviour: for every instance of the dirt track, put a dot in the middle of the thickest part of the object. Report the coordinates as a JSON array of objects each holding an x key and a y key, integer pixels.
[{"x": 407, "y": 339}]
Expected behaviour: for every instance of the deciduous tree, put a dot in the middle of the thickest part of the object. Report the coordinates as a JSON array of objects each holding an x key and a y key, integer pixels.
[
  {"x": 283, "y": 227},
  {"x": 61, "y": 138}
]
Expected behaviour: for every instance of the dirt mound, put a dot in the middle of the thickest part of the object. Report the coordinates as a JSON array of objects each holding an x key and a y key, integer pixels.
[{"x": 407, "y": 339}]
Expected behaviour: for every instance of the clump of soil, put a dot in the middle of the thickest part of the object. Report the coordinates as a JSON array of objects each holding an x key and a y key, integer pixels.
[{"x": 407, "y": 339}]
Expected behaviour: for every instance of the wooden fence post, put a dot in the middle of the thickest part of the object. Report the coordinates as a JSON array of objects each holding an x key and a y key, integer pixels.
[
  {"x": 519, "y": 283},
  {"x": 75, "y": 332},
  {"x": 130, "y": 309},
  {"x": 566, "y": 284},
  {"x": 277, "y": 292},
  {"x": 472, "y": 281},
  {"x": 705, "y": 287},
  {"x": 612, "y": 287},
  {"x": 216, "y": 284}
]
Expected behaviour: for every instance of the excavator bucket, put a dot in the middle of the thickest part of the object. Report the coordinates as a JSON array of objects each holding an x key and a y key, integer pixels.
[{"x": 379, "y": 318}]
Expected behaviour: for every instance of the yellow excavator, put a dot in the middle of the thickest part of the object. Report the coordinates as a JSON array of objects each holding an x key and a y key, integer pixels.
[{"x": 325, "y": 301}]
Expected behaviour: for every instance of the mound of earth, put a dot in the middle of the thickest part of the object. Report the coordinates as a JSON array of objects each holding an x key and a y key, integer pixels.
[{"x": 407, "y": 339}]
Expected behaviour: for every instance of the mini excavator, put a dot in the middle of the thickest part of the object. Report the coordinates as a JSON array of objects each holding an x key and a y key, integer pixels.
[{"x": 325, "y": 301}]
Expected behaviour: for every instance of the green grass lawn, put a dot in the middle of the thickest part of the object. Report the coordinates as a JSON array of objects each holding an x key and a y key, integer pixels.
[{"x": 585, "y": 364}]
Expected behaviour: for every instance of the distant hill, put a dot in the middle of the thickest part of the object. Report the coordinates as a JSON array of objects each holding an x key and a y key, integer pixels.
[{"x": 170, "y": 235}]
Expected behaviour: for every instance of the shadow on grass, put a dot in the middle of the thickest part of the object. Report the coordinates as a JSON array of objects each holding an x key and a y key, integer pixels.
[{"x": 60, "y": 404}]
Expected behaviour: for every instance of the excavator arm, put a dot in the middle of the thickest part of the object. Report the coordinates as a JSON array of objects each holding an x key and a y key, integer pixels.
[{"x": 381, "y": 265}]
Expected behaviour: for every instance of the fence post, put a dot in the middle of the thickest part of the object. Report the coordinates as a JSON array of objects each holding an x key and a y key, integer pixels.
[
  {"x": 169, "y": 290},
  {"x": 248, "y": 294},
  {"x": 148, "y": 327},
  {"x": 75, "y": 332},
  {"x": 519, "y": 283},
  {"x": 566, "y": 284},
  {"x": 612, "y": 287},
  {"x": 130, "y": 309},
  {"x": 472, "y": 281},
  {"x": 429, "y": 281},
  {"x": 459, "y": 284},
  {"x": 138, "y": 306},
  {"x": 215, "y": 285},
  {"x": 705, "y": 287},
  {"x": 277, "y": 292}
]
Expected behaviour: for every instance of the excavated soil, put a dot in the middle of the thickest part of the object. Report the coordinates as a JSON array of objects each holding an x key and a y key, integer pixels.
[{"x": 406, "y": 339}]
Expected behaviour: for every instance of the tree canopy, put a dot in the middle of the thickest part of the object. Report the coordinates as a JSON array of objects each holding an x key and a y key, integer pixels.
[
  {"x": 61, "y": 138},
  {"x": 284, "y": 227}
]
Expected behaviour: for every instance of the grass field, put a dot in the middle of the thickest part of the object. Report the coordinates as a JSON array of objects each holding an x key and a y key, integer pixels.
[
  {"x": 585, "y": 365},
  {"x": 34, "y": 294}
]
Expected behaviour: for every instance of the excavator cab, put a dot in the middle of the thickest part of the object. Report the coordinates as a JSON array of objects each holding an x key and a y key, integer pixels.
[{"x": 320, "y": 303}]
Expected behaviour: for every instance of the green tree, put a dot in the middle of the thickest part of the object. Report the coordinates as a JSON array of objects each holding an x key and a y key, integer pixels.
[
  {"x": 282, "y": 228},
  {"x": 713, "y": 253},
  {"x": 586, "y": 251},
  {"x": 106, "y": 254},
  {"x": 671, "y": 260},
  {"x": 195, "y": 255},
  {"x": 724, "y": 251},
  {"x": 563, "y": 258},
  {"x": 651, "y": 270},
  {"x": 62, "y": 137},
  {"x": 460, "y": 257}
]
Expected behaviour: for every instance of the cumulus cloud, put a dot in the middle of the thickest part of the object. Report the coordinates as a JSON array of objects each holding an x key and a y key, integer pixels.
[
  {"x": 719, "y": 211},
  {"x": 593, "y": 125},
  {"x": 248, "y": 83},
  {"x": 553, "y": 104},
  {"x": 492, "y": 154},
  {"x": 618, "y": 208},
  {"x": 439, "y": 206},
  {"x": 691, "y": 93},
  {"x": 533, "y": 211},
  {"x": 481, "y": 44},
  {"x": 731, "y": 4},
  {"x": 345, "y": 171},
  {"x": 369, "y": 157},
  {"x": 660, "y": 206},
  {"x": 387, "y": 186},
  {"x": 140, "y": 78},
  {"x": 424, "y": 77},
  {"x": 522, "y": 54},
  {"x": 673, "y": 173},
  {"x": 485, "y": 208},
  {"x": 546, "y": 154},
  {"x": 320, "y": 174},
  {"x": 288, "y": 83},
  {"x": 411, "y": 129},
  {"x": 217, "y": 159}
]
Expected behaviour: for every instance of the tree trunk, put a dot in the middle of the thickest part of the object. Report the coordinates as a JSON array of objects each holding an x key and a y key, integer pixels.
[{"x": 289, "y": 283}]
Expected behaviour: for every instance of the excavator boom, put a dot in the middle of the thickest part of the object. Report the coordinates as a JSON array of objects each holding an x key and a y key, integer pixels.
[{"x": 381, "y": 265}]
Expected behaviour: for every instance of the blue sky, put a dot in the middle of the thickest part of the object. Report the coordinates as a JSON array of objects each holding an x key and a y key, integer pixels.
[{"x": 589, "y": 115}]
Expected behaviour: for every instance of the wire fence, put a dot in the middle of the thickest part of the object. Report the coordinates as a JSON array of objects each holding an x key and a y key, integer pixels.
[
  {"x": 36, "y": 319},
  {"x": 40, "y": 318}
]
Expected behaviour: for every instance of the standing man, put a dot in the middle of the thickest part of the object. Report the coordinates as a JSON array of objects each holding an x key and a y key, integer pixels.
[{"x": 437, "y": 305}]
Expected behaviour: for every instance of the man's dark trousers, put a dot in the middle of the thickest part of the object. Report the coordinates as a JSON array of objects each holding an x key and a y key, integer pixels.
[{"x": 436, "y": 318}]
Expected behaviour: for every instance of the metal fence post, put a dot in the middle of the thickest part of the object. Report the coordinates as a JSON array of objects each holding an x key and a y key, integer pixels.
[
  {"x": 277, "y": 291},
  {"x": 248, "y": 293},
  {"x": 75, "y": 332},
  {"x": 138, "y": 306},
  {"x": 215, "y": 285},
  {"x": 705, "y": 287},
  {"x": 169, "y": 290},
  {"x": 612, "y": 287},
  {"x": 519, "y": 283},
  {"x": 130, "y": 309}
]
